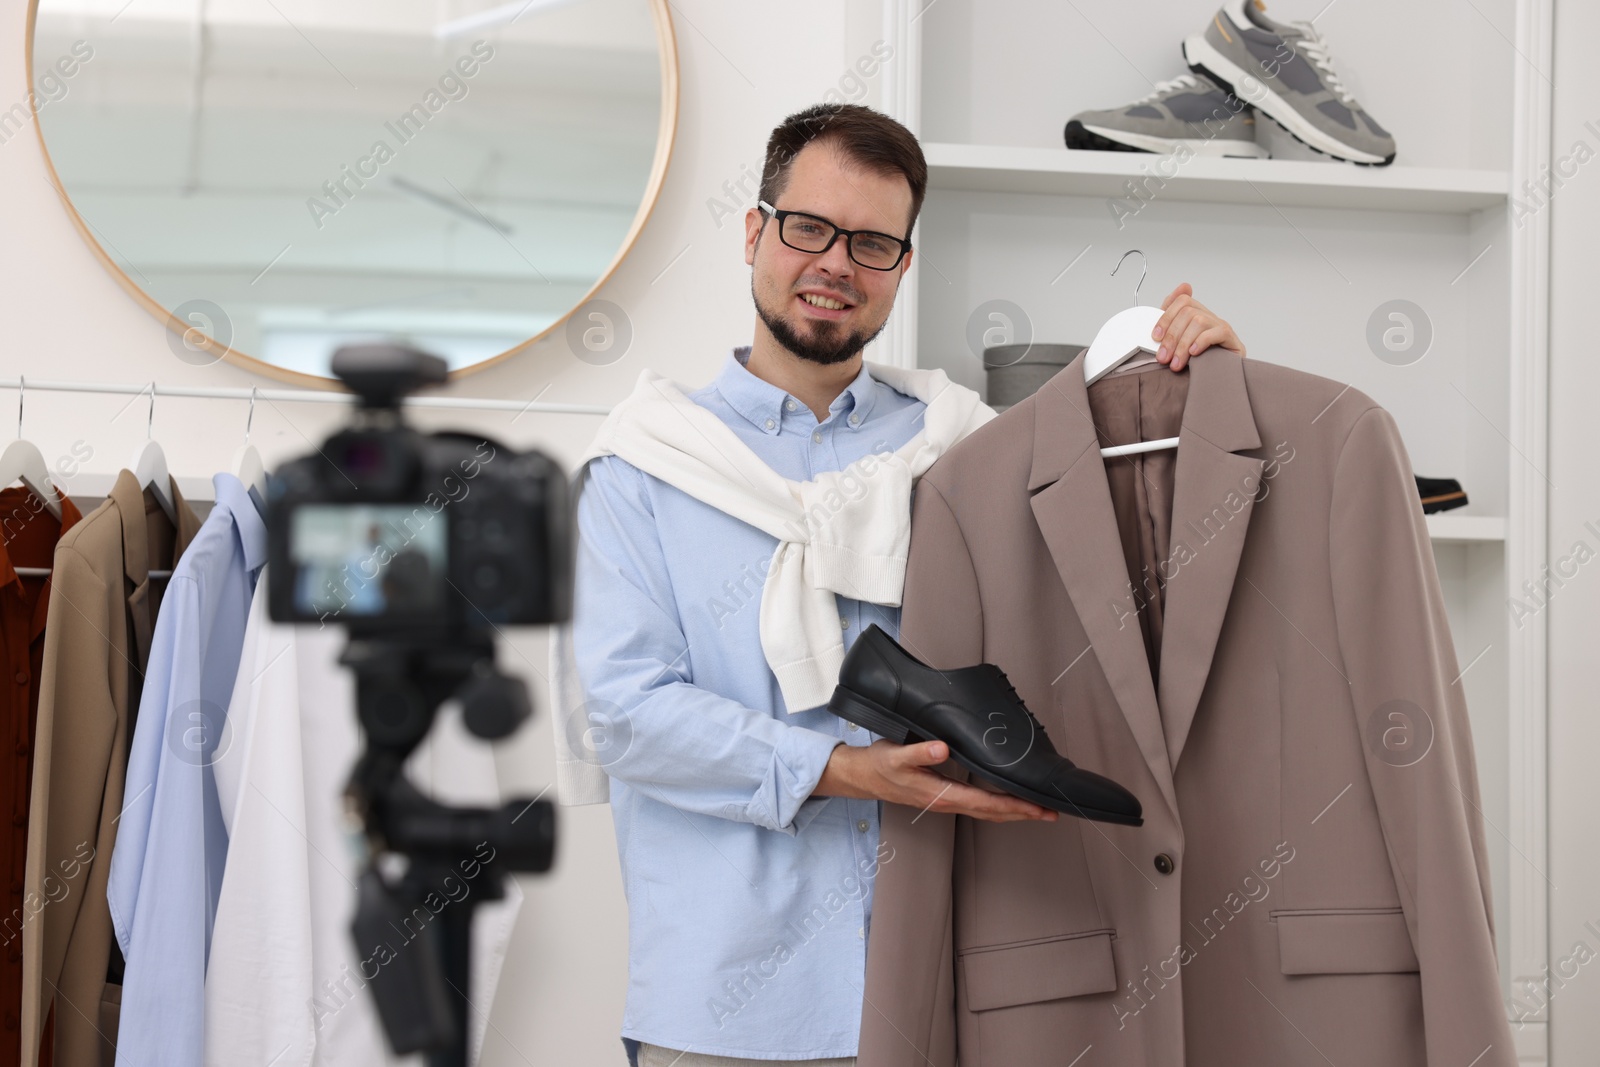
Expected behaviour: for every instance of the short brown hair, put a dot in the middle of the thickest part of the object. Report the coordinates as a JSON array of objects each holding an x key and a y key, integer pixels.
[{"x": 868, "y": 138}]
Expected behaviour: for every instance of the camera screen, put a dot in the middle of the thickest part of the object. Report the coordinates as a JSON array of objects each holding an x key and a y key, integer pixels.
[{"x": 368, "y": 560}]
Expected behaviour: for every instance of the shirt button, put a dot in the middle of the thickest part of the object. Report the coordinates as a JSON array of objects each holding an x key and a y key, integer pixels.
[
  {"x": 1165, "y": 864},
  {"x": 817, "y": 437},
  {"x": 861, "y": 824},
  {"x": 22, "y": 677},
  {"x": 861, "y": 932},
  {"x": 789, "y": 404},
  {"x": 844, "y": 623},
  {"x": 851, "y": 726},
  {"x": 771, "y": 424},
  {"x": 855, "y": 420}
]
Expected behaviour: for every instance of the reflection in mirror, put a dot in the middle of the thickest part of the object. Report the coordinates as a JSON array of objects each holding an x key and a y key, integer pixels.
[{"x": 291, "y": 176}]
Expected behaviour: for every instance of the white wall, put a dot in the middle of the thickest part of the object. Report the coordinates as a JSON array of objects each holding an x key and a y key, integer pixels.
[{"x": 1574, "y": 501}]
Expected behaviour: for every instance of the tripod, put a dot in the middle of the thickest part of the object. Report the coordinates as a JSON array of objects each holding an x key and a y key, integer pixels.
[{"x": 408, "y": 925}]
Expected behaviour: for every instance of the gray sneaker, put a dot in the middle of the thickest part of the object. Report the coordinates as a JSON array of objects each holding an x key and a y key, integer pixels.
[
  {"x": 1190, "y": 110},
  {"x": 1286, "y": 73}
]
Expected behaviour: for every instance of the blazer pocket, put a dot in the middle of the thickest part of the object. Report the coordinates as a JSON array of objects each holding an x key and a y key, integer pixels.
[
  {"x": 1073, "y": 965},
  {"x": 1345, "y": 942}
]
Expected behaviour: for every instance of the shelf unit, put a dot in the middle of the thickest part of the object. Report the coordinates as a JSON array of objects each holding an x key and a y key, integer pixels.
[
  {"x": 1017, "y": 235},
  {"x": 1284, "y": 183}
]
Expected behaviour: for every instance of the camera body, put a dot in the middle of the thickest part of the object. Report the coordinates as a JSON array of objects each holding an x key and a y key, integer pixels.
[{"x": 389, "y": 530}]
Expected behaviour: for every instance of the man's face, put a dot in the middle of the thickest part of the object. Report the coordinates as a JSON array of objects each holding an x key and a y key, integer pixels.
[{"x": 822, "y": 182}]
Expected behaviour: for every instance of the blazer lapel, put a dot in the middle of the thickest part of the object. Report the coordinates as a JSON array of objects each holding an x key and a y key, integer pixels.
[
  {"x": 1212, "y": 502},
  {"x": 129, "y": 499},
  {"x": 1072, "y": 505}
]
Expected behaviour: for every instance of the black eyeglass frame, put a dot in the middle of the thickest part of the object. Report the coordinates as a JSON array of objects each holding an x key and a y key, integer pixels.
[{"x": 849, "y": 235}]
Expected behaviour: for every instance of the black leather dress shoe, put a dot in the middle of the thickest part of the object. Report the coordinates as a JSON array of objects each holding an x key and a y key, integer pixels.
[
  {"x": 1440, "y": 494},
  {"x": 977, "y": 713}
]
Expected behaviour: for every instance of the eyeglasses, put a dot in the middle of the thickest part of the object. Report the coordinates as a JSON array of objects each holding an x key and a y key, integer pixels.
[{"x": 815, "y": 234}]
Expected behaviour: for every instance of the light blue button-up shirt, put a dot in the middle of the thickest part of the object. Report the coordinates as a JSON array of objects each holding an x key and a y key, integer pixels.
[
  {"x": 166, "y": 868},
  {"x": 748, "y": 899}
]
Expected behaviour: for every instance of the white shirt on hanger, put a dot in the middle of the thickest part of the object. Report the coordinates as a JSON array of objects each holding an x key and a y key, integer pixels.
[{"x": 284, "y": 984}]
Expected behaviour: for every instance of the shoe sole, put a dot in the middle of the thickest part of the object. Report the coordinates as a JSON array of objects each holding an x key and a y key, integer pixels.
[
  {"x": 852, "y": 707},
  {"x": 1111, "y": 139},
  {"x": 1203, "y": 58}
]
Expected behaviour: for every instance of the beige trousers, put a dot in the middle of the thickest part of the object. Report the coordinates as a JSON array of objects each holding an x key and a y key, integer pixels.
[{"x": 656, "y": 1056}]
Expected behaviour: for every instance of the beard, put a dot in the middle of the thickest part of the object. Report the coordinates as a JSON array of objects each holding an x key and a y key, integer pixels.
[{"x": 826, "y": 343}]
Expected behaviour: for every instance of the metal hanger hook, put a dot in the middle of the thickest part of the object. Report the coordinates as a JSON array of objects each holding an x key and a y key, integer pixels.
[
  {"x": 1143, "y": 270},
  {"x": 22, "y": 395},
  {"x": 250, "y": 417},
  {"x": 150, "y": 419}
]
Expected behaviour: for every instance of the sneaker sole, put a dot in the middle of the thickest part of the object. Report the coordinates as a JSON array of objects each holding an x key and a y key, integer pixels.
[
  {"x": 1203, "y": 58},
  {"x": 1111, "y": 139},
  {"x": 852, "y": 707}
]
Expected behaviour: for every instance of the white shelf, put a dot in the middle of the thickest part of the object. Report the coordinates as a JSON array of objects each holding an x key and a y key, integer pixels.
[
  {"x": 1278, "y": 182},
  {"x": 1466, "y": 528}
]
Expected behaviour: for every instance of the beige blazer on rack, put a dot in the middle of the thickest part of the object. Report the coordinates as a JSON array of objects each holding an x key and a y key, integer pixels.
[
  {"x": 97, "y": 642},
  {"x": 1311, "y": 884}
]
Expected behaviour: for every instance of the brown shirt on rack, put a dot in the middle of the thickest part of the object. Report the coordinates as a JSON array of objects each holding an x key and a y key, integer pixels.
[
  {"x": 28, "y": 536},
  {"x": 102, "y": 614}
]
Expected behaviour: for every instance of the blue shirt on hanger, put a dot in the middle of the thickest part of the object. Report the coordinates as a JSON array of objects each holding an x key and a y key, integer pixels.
[
  {"x": 166, "y": 867},
  {"x": 748, "y": 899}
]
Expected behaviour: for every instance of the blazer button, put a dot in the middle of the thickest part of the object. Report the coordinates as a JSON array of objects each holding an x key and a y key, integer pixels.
[{"x": 1164, "y": 864}]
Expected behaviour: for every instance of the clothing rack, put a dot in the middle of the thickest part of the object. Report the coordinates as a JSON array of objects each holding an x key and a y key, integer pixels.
[
  {"x": 293, "y": 396},
  {"x": 300, "y": 396},
  {"x": 45, "y": 572}
]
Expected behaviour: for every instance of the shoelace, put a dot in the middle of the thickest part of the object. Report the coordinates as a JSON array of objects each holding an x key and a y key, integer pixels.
[
  {"x": 1182, "y": 81},
  {"x": 1315, "y": 48},
  {"x": 1001, "y": 676}
]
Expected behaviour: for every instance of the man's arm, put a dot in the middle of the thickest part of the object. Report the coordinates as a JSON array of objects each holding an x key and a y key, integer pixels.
[{"x": 676, "y": 742}]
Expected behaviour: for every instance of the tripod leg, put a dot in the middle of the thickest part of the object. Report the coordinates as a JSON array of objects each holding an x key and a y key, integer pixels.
[{"x": 454, "y": 930}]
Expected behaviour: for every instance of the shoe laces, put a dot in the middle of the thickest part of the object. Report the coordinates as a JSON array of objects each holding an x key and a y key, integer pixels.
[
  {"x": 1315, "y": 48},
  {"x": 1182, "y": 81},
  {"x": 1017, "y": 697}
]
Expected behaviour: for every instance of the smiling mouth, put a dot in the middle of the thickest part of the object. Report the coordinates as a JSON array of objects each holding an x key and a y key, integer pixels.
[{"x": 825, "y": 303}]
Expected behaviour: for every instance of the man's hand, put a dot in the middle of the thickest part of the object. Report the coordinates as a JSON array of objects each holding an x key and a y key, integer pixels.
[
  {"x": 902, "y": 774},
  {"x": 1189, "y": 328}
]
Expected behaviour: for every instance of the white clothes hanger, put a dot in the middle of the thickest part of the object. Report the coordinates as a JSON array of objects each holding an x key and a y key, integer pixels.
[
  {"x": 23, "y": 462},
  {"x": 247, "y": 465},
  {"x": 1125, "y": 335},
  {"x": 149, "y": 465}
]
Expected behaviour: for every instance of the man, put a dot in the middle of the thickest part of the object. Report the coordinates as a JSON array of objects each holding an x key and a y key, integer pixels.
[{"x": 748, "y": 829}]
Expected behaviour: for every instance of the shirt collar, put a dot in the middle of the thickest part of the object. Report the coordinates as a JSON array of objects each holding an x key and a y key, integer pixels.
[
  {"x": 763, "y": 403},
  {"x": 231, "y": 494}
]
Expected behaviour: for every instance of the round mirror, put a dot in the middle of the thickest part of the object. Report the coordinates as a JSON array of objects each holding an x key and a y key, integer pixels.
[{"x": 276, "y": 178}]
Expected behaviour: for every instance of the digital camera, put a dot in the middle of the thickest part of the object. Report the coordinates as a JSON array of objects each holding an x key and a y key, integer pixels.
[{"x": 387, "y": 529}]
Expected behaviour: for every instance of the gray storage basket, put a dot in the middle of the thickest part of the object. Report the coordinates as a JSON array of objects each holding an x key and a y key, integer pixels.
[{"x": 1015, "y": 372}]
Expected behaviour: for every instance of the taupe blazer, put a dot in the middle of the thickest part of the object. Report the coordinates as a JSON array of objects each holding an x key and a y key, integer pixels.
[
  {"x": 1311, "y": 884},
  {"x": 97, "y": 642}
]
